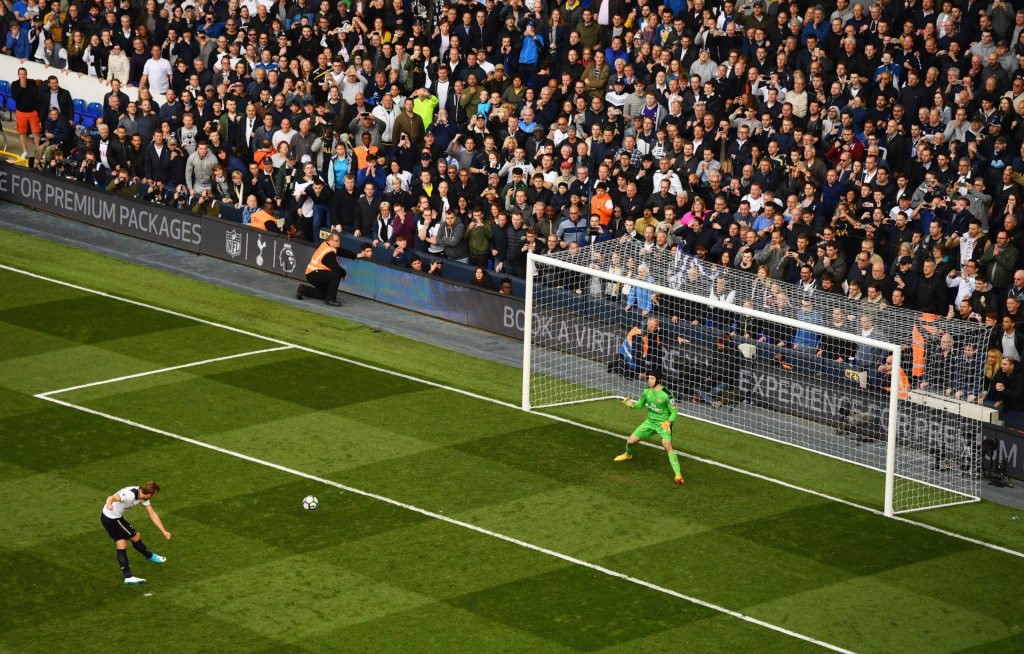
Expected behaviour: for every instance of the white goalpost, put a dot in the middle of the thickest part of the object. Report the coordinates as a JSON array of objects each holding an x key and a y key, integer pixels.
[{"x": 758, "y": 356}]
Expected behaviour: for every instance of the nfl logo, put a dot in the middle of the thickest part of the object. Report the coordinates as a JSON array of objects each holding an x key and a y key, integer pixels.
[{"x": 233, "y": 243}]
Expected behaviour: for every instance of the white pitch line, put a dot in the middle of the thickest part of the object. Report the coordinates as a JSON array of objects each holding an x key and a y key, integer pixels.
[
  {"x": 459, "y": 523},
  {"x": 772, "y": 480},
  {"x": 161, "y": 370}
]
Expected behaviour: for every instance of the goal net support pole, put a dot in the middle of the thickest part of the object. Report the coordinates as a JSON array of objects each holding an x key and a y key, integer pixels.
[{"x": 531, "y": 272}]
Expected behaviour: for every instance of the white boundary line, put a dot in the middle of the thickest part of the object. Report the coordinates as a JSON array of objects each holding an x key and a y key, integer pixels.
[
  {"x": 161, "y": 370},
  {"x": 938, "y": 530},
  {"x": 459, "y": 523}
]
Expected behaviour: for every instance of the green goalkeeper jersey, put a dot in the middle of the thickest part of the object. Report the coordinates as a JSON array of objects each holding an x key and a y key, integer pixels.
[{"x": 660, "y": 405}]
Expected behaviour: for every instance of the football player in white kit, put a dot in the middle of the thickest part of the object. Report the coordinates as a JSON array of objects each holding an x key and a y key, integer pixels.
[{"x": 122, "y": 531}]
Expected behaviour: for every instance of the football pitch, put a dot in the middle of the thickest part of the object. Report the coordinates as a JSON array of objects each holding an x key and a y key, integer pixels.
[{"x": 449, "y": 520}]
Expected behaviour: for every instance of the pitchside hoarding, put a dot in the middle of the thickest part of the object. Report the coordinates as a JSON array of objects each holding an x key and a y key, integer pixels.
[
  {"x": 91, "y": 205},
  {"x": 255, "y": 248}
]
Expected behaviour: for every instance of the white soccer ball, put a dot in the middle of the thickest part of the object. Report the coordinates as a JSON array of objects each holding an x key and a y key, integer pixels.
[{"x": 310, "y": 502}]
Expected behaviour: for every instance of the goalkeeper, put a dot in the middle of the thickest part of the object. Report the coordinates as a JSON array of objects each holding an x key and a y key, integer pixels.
[{"x": 661, "y": 413}]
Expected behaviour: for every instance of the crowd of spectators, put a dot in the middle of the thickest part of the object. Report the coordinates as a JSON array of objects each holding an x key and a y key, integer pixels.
[{"x": 868, "y": 149}]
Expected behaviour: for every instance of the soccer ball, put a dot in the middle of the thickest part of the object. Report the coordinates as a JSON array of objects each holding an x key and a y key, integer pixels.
[{"x": 310, "y": 502}]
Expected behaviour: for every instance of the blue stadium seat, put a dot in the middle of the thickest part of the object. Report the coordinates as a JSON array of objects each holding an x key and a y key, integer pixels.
[
  {"x": 93, "y": 110},
  {"x": 6, "y": 101},
  {"x": 79, "y": 109}
]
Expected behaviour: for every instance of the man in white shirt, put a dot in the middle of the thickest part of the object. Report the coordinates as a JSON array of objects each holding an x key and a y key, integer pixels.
[
  {"x": 156, "y": 73},
  {"x": 664, "y": 172},
  {"x": 122, "y": 531}
]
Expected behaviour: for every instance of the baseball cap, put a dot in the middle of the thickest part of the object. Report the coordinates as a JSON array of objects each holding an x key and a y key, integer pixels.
[
  {"x": 566, "y": 164},
  {"x": 905, "y": 261},
  {"x": 307, "y": 159}
]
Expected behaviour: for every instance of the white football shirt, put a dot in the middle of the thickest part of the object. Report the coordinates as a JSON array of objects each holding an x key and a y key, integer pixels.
[{"x": 129, "y": 497}]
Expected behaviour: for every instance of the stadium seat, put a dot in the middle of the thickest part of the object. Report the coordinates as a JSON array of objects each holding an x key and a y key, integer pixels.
[
  {"x": 79, "y": 110},
  {"x": 6, "y": 101},
  {"x": 93, "y": 110}
]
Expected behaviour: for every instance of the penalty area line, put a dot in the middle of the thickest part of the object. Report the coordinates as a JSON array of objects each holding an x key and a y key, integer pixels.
[
  {"x": 434, "y": 384},
  {"x": 114, "y": 380},
  {"x": 458, "y": 523}
]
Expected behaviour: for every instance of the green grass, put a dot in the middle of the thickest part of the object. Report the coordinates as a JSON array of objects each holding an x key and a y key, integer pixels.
[{"x": 249, "y": 570}]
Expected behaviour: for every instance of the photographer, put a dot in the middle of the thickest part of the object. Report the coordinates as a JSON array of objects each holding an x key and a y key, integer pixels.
[
  {"x": 416, "y": 263},
  {"x": 122, "y": 184},
  {"x": 596, "y": 233},
  {"x": 159, "y": 194}
]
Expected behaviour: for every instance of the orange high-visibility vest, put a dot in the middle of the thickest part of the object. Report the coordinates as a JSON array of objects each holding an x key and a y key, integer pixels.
[
  {"x": 259, "y": 219},
  {"x": 316, "y": 263},
  {"x": 918, "y": 344},
  {"x": 264, "y": 159},
  {"x": 602, "y": 205},
  {"x": 903, "y": 390}
]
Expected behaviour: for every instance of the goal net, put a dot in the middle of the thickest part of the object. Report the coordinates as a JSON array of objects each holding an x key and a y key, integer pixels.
[{"x": 784, "y": 361}]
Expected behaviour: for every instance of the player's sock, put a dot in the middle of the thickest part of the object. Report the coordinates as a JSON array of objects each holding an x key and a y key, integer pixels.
[
  {"x": 122, "y": 560},
  {"x": 673, "y": 459},
  {"x": 141, "y": 548},
  {"x": 629, "y": 449}
]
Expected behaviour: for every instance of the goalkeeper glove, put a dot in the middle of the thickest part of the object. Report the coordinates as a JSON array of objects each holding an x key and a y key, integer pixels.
[
  {"x": 628, "y": 402},
  {"x": 667, "y": 426}
]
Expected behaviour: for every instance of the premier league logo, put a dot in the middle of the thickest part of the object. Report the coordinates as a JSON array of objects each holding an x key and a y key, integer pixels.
[
  {"x": 286, "y": 258},
  {"x": 233, "y": 243}
]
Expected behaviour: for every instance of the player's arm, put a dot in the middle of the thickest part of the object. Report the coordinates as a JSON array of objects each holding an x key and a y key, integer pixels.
[
  {"x": 673, "y": 413},
  {"x": 110, "y": 501},
  {"x": 640, "y": 404},
  {"x": 156, "y": 521}
]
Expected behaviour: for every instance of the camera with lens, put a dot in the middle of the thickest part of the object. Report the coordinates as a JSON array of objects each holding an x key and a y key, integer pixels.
[{"x": 328, "y": 132}]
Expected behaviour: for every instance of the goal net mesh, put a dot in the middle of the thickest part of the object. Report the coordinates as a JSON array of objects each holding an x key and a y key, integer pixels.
[{"x": 722, "y": 344}]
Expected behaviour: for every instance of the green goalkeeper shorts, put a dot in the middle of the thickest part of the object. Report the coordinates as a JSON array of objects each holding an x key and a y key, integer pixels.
[{"x": 650, "y": 428}]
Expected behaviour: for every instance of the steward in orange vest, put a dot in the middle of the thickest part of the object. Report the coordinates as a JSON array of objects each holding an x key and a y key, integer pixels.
[
  {"x": 601, "y": 205},
  {"x": 324, "y": 272},
  {"x": 263, "y": 218},
  {"x": 640, "y": 352}
]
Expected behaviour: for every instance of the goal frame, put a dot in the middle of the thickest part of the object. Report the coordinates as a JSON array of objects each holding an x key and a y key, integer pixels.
[{"x": 892, "y": 423}]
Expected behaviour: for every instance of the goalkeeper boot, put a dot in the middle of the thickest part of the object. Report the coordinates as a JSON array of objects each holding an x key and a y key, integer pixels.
[
  {"x": 156, "y": 558},
  {"x": 679, "y": 480},
  {"x": 134, "y": 581},
  {"x": 624, "y": 457}
]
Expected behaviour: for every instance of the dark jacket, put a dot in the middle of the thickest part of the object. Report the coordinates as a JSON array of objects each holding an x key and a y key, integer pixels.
[
  {"x": 366, "y": 214},
  {"x": 1012, "y": 395},
  {"x": 156, "y": 166},
  {"x": 932, "y": 295},
  {"x": 64, "y": 101}
]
